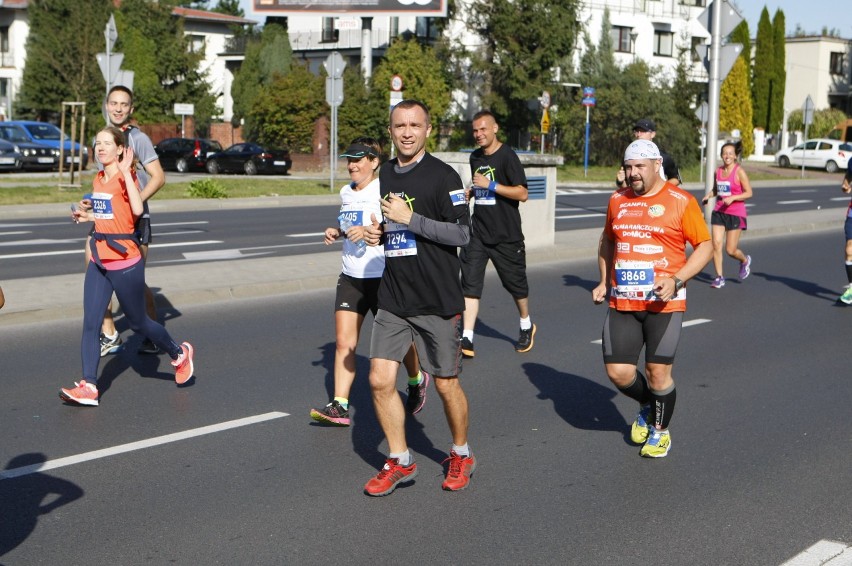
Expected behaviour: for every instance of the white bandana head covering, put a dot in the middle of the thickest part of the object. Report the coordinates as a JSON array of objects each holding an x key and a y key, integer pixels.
[{"x": 642, "y": 149}]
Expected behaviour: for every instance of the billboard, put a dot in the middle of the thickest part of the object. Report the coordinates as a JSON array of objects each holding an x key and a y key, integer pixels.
[{"x": 362, "y": 8}]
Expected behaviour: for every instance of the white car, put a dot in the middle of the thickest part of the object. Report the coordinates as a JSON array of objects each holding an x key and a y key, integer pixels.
[{"x": 831, "y": 155}]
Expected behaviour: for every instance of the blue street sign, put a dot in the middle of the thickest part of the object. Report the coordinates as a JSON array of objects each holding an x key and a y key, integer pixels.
[{"x": 589, "y": 101}]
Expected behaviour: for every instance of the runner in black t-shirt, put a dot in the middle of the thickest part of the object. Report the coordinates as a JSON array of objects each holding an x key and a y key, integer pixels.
[
  {"x": 420, "y": 296},
  {"x": 645, "y": 129},
  {"x": 499, "y": 185}
]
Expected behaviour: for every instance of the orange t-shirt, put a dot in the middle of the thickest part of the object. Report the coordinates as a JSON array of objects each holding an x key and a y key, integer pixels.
[
  {"x": 649, "y": 235},
  {"x": 113, "y": 215}
]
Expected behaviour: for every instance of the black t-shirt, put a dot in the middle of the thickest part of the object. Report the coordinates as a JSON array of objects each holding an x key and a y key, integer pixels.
[
  {"x": 670, "y": 169},
  {"x": 496, "y": 218},
  {"x": 422, "y": 276}
]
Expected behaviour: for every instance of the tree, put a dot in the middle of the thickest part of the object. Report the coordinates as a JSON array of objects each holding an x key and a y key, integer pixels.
[
  {"x": 764, "y": 70},
  {"x": 423, "y": 79},
  {"x": 268, "y": 56},
  {"x": 779, "y": 75},
  {"x": 165, "y": 70},
  {"x": 823, "y": 122},
  {"x": 742, "y": 35},
  {"x": 231, "y": 7},
  {"x": 523, "y": 40},
  {"x": 286, "y": 110},
  {"x": 735, "y": 111},
  {"x": 359, "y": 115},
  {"x": 61, "y": 66}
]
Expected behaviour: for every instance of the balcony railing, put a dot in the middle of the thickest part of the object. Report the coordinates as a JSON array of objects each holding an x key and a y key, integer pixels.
[{"x": 7, "y": 59}]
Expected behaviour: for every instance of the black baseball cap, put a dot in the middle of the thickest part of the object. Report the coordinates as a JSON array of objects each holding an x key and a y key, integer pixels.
[
  {"x": 645, "y": 125},
  {"x": 357, "y": 151}
]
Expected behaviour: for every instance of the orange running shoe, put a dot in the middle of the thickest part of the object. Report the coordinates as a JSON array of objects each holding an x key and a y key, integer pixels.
[
  {"x": 82, "y": 394},
  {"x": 459, "y": 472},
  {"x": 183, "y": 365},
  {"x": 391, "y": 475}
]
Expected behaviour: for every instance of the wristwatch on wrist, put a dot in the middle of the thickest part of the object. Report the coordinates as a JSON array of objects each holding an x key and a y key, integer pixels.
[{"x": 678, "y": 284}]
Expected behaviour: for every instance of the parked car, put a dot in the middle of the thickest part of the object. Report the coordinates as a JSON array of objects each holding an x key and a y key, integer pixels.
[
  {"x": 37, "y": 157},
  {"x": 10, "y": 157},
  {"x": 251, "y": 159},
  {"x": 831, "y": 155},
  {"x": 42, "y": 133},
  {"x": 186, "y": 154}
]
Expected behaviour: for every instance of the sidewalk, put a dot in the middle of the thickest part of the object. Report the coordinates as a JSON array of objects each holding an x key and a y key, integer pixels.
[{"x": 60, "y": 297}]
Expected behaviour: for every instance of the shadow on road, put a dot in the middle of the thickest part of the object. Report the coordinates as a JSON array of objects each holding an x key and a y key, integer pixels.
[
  {"x": 27, "y": 495},
  {"x": 806, "y": 287}
]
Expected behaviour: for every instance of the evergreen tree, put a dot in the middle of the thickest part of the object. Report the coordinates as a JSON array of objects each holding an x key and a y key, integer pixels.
[
  {"x": 165, "y": 70},
  {"x": 764, "y": 71},
  {"x": 268, "y": 56},
  {"x": 779, "y": 75},
  {"x": 286, "y": 110},
  {"x": 522, "y": 41},
  {"x": 231, "y": 7},
  {"x": 742, "y": 35},
  {"x": 61, "y": 65},
  {"x": 423, "y": 79},
  {"x": 735, "y": 111},
  {"x": 359, "y": 115}
]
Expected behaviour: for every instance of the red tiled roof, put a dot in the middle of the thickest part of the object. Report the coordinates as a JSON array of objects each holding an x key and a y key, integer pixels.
[
  {"x": 188, "y": 13},
  {"x": 204, "y": 15}
]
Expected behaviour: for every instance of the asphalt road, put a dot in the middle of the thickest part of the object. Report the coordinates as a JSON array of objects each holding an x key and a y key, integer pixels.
[
  {"x": 51, "y": 245},
  {"x": 759, "y": 469}
]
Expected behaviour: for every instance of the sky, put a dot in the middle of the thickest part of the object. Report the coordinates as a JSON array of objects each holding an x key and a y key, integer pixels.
[{"x": 813, "y": 15}]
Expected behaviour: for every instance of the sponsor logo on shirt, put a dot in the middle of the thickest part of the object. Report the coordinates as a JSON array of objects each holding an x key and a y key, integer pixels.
[
  {"x": 457, "y": 197},
  {"x": 648, "y": 249},
  {"x": 657, "y": 210}
]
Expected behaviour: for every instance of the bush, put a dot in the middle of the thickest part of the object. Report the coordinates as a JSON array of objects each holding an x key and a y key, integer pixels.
[{"x": 207, "y": 188}]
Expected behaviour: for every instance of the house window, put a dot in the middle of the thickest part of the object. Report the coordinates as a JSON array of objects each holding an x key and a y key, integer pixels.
[
  {"x": 698, "y": 3},
  {"x": 4, "y": 39},
  {"x": 696, "y": 41},
  {"x": 835, "y": 65},
  {"x": 621, "y": 39},
  {"x": 663, "y": 43},
  {"x": 329, "y": 34},
  {"x": 196, "y": 43}
]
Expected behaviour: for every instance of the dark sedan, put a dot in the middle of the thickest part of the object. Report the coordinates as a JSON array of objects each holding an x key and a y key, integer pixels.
[
  {"x": 38, "y": 157},
  {"x": 185, "y": 154},
  {"x": 251, "y": 159},
  {"x": 10, "y": 157}
]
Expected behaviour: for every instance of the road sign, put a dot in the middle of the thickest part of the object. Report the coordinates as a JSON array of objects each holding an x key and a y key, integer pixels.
[
  {"x": 703, "y": 112},
  {"x": 333, "y": 91},
  {"x": 589, "y": 101},
  {"x": 396, "y": 83},
  {"x": 111, "y": 33},
  {"x": 545, "y": 122},
  {"x": 184, "y": 109},
  {"x": 124, "y": 78},
  {"x": 334, "y": 65},
  {"x": 729, "y": 18},
  {"x": 545, "y": 100},
  {"x": 110, "y": 66},
  {"x": 728, "y": 54},
  {"x": 588, "y": 91},
  {"x": 395, "y": 98},
  {"x": 809, "y": 110}
]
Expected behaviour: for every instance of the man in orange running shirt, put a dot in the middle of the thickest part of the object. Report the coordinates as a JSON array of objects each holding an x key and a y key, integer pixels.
[{"x": 643, "y": 270}]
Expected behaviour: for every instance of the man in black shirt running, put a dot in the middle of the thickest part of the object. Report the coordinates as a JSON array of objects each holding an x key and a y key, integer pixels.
[
  {"x": 420, "y": 296},
  {"x": 499, "y": 186}
]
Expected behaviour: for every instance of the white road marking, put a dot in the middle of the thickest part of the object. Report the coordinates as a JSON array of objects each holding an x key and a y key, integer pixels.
[
  {"x": 840, "y": 198},
  {"x": 803, "y": 190},
  {"x": 596, "y": 215},
  {"x": 159, "y": 224},
  {"x": 16, "y": 233},
  {"x": 212, "y": 255},
  {"x": 686, "y": 323},
  {"x": 307, "y": 235},
  {"x": 823, "y": 553},
  {"x": 794, "y": 201},
  {"x": 80, "y": 251},
  {"x": 139, "y": 445}
]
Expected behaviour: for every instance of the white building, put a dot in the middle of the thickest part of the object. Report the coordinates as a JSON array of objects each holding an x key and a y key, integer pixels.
[
  {"x": 818, "y": 67},
  {"x": 210, "y": 31}
]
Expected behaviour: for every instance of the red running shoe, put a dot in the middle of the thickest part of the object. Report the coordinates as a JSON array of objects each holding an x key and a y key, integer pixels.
[
  {"x": 459, "y": 472},
  {"x": 183, "y": 365},
  {"x": 391, "y": 475},
  {"x": 82, "y": 394}
]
